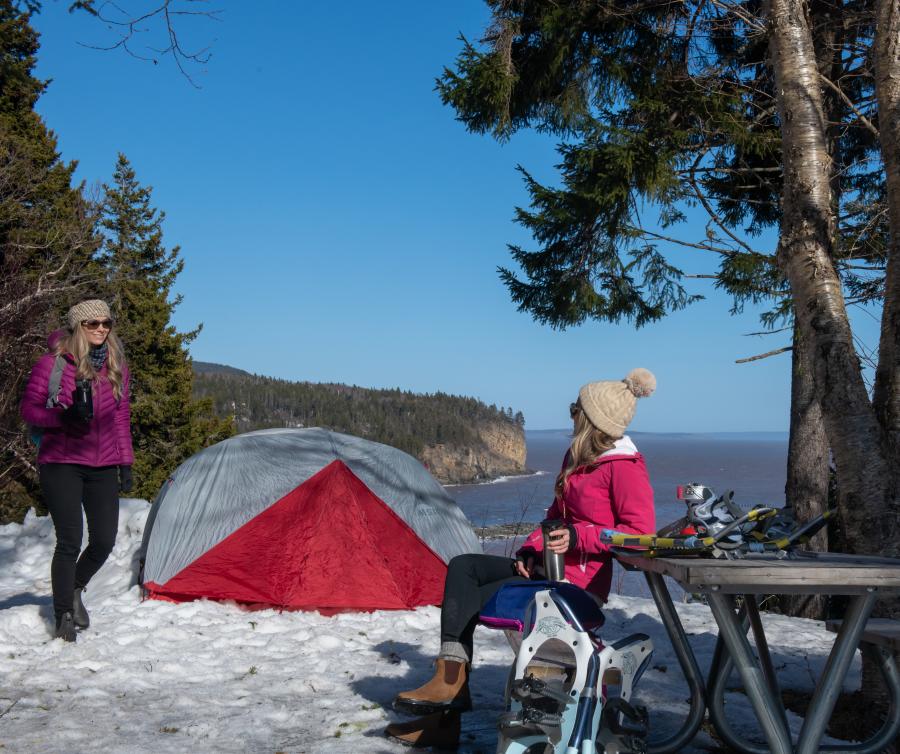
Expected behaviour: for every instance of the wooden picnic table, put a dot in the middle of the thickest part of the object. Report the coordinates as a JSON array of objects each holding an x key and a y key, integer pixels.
[{"x": 861, "y": 578}]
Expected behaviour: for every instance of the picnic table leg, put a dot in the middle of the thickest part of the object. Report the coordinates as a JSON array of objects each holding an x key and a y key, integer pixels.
[
  {"x": 689, "y": 667},
  {"x": 829, "y": 686},
  {"x": 718, "y": 678},
  {"x": 719, "y": 671},
  {"x": 765, "y": 705},
  {"x": 762, "y": 651}
]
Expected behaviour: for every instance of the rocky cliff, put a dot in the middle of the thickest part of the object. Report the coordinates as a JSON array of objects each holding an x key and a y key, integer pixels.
[{"x": 499, "y": 452}]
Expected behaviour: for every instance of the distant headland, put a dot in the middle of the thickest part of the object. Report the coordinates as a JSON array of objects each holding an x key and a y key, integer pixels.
[{"x": 459, "y": 439}]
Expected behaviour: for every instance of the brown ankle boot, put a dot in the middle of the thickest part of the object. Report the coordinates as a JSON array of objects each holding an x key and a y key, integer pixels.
[
  {"x": 439, "y": 730},
  {"x": 448, "y": 689}
]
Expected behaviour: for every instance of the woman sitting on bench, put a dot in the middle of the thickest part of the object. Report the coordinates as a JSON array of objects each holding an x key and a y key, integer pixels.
[{"x": 603, "y": 484}]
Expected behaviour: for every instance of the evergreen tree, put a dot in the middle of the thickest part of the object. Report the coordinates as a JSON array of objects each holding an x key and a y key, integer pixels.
[
  {"x": 672, "y": 104},
  {"x": 168, "y": 424},
  {"x": 46, "y": 246}
]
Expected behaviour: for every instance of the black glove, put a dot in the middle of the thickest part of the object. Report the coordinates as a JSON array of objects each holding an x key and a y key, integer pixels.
[
  {"x": 528, "y": 558},
  {"x": 125, "y": 480}
]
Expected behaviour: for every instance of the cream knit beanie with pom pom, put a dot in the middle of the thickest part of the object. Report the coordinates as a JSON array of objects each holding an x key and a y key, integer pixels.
[{"x": 609, "y": 405}]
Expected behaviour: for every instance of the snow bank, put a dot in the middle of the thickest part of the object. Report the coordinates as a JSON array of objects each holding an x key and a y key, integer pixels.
[{"x": 207, "y": 677}]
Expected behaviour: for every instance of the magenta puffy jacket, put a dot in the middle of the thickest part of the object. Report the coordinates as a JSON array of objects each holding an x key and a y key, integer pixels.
[
  {"x": 107, "y": 439},
  {"x": 612, "y": 493}
]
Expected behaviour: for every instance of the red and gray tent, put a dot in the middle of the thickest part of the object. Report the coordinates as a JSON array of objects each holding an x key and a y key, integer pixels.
[{"x": 303, "y": 519}]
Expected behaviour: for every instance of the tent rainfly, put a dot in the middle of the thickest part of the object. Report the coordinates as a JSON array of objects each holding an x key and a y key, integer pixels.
[{"x": 303, "y": 519}]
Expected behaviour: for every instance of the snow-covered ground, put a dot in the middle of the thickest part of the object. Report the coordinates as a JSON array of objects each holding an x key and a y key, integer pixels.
[{"x": 152, "y": 676}]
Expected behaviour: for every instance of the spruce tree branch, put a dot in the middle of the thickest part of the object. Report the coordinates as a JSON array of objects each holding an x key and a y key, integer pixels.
[
  {"x": 701, "y": 197},
  {"x": 867, "y": 356},
  {"x": 840, "y": 92},
  {"x": 721, "y": 250},
  {"x": 768, "y": 332},
  {"x": 764, "y": 355},
  {"x": 870, "y": 224},
  {"x": 742, "y": 171},
  {"x": 859, "y": 300},
  {"x": 742, "y": 200},
  {"x": 737, "y": 11},
  {"x": 689, "y": 34}
]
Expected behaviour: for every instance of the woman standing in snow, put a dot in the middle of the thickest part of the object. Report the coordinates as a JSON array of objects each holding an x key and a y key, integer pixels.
[
  {"x": 603, "y": 484},
  {"x": 85, "y": 452}
]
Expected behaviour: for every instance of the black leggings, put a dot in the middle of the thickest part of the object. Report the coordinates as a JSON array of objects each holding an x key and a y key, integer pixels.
[
  {"x": 67, "y": 487},
  {"x": 471, "y": 581}
]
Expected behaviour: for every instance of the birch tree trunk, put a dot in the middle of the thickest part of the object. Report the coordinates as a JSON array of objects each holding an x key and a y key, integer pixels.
[
  {"x": 805, "y": 256},
  {"x": 806, "y": 489}
]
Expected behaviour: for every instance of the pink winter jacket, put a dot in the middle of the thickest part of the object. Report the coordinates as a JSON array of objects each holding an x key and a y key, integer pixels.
[
  {"x": 104, "y": 441},
  {"x": 612, "y": 493}
]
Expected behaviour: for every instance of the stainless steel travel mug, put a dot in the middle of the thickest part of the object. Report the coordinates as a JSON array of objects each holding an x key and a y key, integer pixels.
[{"x": 554, "y": 563}]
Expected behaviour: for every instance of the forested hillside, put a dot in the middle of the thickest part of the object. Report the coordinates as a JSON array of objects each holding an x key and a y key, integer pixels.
[{"x": 415, "y": 423}]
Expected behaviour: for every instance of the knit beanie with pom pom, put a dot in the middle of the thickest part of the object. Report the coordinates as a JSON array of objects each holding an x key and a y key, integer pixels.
[{"x": 610, "y": 405}]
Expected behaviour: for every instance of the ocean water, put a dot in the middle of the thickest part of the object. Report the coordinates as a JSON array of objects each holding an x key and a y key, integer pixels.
[{"x": 752, "y": 464}]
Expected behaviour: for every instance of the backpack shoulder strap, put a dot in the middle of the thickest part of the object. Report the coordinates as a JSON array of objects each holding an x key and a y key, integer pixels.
[{"x": 59, "y": 364}]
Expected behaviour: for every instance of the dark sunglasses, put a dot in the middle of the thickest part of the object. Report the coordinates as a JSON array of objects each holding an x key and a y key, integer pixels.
[
  {"x": 574, "y": 408},
  {"x": 93, "y": 324}
]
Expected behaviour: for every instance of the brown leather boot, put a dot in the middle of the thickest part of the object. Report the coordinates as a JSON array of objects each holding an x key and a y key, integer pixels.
[
  {"x": 439, "y": 731},
  {"x": 447, "y": 689}
]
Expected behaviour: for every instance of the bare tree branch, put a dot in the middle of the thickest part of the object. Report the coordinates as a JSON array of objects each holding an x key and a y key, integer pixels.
[
  {"x": 764, "y": 355},
  {"x": 840, "y": 92},
  {"x": 129, "y": 27}
]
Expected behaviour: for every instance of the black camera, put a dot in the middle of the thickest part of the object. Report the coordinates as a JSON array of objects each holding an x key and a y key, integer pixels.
[{"x": 83, "y": 400}]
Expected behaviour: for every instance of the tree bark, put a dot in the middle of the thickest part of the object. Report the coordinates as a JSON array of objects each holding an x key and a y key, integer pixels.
[
  {"x": 805, "y": 257},
  {"x": 887, "y": 85},
  {"x": 806, "y": 489},
  {"x": 886, "y": 396}
]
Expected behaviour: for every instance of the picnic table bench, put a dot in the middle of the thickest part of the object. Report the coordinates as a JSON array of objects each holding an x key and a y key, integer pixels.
[
  {"x": 882, "y": 632},
  {"x": 721, "y": 581}
]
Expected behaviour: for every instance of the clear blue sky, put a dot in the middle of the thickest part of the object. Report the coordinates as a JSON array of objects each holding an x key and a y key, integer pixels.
[{"x": 337, "y": 224}]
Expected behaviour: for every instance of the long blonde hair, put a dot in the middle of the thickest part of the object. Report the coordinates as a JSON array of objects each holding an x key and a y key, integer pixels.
[
  {"x": 77, "y": 344},
  {"x": 588, "y": 443}
]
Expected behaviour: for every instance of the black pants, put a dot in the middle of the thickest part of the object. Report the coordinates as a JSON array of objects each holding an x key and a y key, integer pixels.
[
  {"x": 471, "y": 581},
  {"x": 67, "y": 487}
]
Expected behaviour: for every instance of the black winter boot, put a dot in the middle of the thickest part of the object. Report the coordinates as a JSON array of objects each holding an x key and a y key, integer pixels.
[
  {"x": 65, "y": 627},
  {"x": 80, "y": 614},
  {"x": 438, "y": 731}
]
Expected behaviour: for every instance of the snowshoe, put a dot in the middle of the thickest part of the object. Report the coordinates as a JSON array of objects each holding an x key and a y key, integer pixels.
[{"x": 565, "y": 714}]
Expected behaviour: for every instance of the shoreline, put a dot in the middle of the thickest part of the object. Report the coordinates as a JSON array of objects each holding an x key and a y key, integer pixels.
[
  {"x": 505, "y": 531},
  {"x": 497, "y": 480}
]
